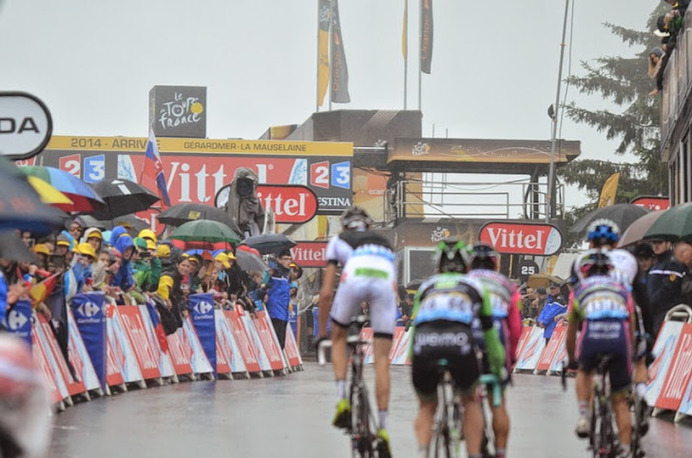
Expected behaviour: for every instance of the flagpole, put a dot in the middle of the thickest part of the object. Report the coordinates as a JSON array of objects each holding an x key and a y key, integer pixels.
[
  {"x": 405, "y": 49},
  {"x": 331, "y": 50},
  {"x": 317, "y": 53},
  {"x": 420, "y": 55}
]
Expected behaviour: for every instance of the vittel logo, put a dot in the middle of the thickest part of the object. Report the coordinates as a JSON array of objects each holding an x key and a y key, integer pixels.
[{"x": 522, "y": 238}]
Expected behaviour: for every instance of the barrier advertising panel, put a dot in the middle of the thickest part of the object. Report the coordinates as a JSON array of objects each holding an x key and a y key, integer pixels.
[
  {"x": 663, "y": 351},
  {"x": 399, "y": 353},
  {"x": 551, "y": 350},
  {"x": 164, "y": 361},
  {"x": 525, "y": 333},
  {"x": 367, "y": 334},
  {"x": 268, "y": 340},
  {"x": 685, "y": 408},
  {"x": 199, "y": 361},
  {"x": 57, "y": 389},
  {"x": 222, "y": 366},
  {"x": 180, "y": 352},
  {"x": 202, "y": 314},
  {"x": 291, "y": 350},
  {"x": 227, "y": 344},
  {"x": 89, "y": 315},
  {"x": 79, "y": 356},
  {"x": 134, "y": 329},
  {"x": 18, "y": 320},
  {"x": 243, "y": 341},
  {"x": 678, "y": 376},
  {"x": 528, "y": 359},
  {"x": 57, "y": 359},
  {"x": 125, "y": 358},
  {"x": 256, "y": 342}
]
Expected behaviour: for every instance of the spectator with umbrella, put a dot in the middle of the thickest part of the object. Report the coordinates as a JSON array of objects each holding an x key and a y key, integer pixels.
[{"x": 122, "y": 197}]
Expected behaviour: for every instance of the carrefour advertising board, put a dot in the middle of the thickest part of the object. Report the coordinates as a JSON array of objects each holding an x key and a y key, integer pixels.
[{"x": 196, "y": 169}]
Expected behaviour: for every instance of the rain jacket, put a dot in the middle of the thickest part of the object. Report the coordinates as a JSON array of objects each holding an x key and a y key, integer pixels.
[
  {"x": 123, "y": 277},
  {"x": 547, "y": 317},
  {"x": 279, "y": 294},
  {"x": 243, "y": 205}
]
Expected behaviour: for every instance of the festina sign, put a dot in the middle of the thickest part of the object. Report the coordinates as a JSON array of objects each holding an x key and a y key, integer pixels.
[
  {"x": 290, "y": 203},
  {"x": 522, "y": 238},
  {"x": 310, "y": 254}
]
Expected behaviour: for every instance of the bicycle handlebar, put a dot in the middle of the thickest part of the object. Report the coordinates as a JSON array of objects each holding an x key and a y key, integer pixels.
[{"x": 489, "y": 379}]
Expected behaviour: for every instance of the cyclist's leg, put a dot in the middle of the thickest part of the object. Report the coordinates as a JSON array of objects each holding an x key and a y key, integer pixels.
[
  {"x": 424, "y": 423},
  {"x": 587, "y": 350},
  {"x": 425, "y": 377},
  {"x": 473, "y": 423},
  {"x": 382, "y": 301},
  {"x": 620, "y": 381},
  {"x": 500, "y": 416}
]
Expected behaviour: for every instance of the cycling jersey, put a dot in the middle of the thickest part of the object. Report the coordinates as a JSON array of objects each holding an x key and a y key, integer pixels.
[
  {"x": 504, "y": 299},
  {"x": 600, "y": 297},
  {"x": 369, "y": 275},
  {"x": 450, "y": 297}
]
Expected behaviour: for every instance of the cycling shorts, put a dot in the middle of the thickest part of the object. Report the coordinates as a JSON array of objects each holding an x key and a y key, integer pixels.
[
  {"x": 377, "y": 292},
  {"x": 607, "y": 338},
  {"x": 443, "y": 340}
]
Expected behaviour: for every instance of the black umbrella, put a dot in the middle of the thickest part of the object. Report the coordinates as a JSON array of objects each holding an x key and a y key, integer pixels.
[
  {"x": 20, "y": 206},
  {"x": 621, "y": 214},
  {"x": 269, "y": 243},
  {"x": 137, "y": 224},
  {"x": 250, "y": 262},
  {"x": 122, "y": 197},
  {"x": 13, "y": 249},
  {"x": 182, "y": 213}
]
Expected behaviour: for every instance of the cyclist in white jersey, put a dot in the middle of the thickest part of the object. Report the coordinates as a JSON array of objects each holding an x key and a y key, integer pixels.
[{"x": 369, "y": 275}]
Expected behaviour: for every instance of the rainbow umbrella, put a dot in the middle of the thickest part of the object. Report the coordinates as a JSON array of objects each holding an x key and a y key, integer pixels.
[
  {"x": 48, "y": 194},
  {"x": 84, "y": 199}
]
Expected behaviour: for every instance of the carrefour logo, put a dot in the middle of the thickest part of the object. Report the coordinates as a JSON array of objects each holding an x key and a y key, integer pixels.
[
  {"x": 88, "y": 309},
  {"x": 203, "y": 308},
  {"x": 16, "y": 320}
]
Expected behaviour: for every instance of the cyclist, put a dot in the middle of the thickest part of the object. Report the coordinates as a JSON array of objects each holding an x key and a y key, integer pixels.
[
  {"x": 604, "y": 306},
  {"x": 504, "y": 300},
  {"x": 369, "y": 274},
  {"x": 604, "y": 234},
  {"x": 445, "y": 308}
]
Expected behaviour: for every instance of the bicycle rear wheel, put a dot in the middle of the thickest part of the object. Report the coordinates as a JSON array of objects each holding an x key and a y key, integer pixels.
[
  {"x": 361, "y": 435},
  {"x": 441, "y": 440}
]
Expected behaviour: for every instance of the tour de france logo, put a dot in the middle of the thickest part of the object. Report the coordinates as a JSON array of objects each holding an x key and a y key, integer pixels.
[{"x": 181, "y": 110}]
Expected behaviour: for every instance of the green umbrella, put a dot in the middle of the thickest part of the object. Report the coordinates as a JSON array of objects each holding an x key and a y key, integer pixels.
[
  {"x": 674, "y": 224},
  {"x": 204, "y": 230}
]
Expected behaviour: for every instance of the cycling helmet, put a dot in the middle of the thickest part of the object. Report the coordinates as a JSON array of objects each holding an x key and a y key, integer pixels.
[
  {"x": 453, "y": 256},
  {"x": 603, "y": 232},
  {"x": 355, "y": 218},
  {"x": 484, "y": 256},
  {"x": 596, "y": 263}
]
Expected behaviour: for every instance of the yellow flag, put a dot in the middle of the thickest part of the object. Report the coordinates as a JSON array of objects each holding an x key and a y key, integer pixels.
[
  {"x": 610, "y": 188},
  {"x": 325, "y": 17}
]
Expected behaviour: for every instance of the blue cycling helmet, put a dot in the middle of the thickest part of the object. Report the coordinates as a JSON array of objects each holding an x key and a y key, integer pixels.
[{"x": 603, "y": 232}]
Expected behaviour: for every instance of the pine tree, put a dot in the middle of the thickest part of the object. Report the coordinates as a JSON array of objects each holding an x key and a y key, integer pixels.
[{"x": 624, "y": 82}]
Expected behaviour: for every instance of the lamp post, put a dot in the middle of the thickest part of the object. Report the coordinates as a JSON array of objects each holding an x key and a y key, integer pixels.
[{"x": 550, "y": 198}]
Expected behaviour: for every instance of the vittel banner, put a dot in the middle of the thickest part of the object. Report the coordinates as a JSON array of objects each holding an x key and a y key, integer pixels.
[
  {"x": 522, "y": 238},
  {"x": 178, "y": 111},
  {"x": 196, "y": 169}
]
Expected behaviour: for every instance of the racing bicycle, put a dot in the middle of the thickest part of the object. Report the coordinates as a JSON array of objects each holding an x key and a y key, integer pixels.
[{"x": 363, "y": 423}]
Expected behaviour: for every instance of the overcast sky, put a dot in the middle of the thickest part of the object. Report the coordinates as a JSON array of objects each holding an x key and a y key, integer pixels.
[{"x": 494, "y": 66}]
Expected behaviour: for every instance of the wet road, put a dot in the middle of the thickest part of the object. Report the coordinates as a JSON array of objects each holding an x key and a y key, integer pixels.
[{"x": 289, "y": 417}]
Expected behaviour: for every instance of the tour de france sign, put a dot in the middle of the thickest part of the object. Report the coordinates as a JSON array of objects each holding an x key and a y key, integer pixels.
[{"x": 522, "y": 238}]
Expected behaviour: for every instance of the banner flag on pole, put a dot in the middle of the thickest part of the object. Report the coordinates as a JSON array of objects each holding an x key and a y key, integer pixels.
[
  {"x": 426, "y": 36},
  {"x": 339, "y": 90},
  {"x": 610, "y": 188},
  {"x": 324, "y": 18},
  {"x": 153, "y": 169},
  {"x": 404, "y": 32}
]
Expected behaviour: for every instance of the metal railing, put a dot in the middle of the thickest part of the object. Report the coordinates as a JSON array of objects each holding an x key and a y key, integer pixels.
[{"x": 491, "y": 200}]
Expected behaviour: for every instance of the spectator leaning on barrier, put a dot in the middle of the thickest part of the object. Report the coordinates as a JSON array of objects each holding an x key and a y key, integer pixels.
[
  {"x": 555, "y": 294},
  {"x": 170, "y": 291},
  {"x": 541, "y": 299},
  {"x": 548, "y": 318},
  {"x": 279, "y": 295},
  {"x": 664, "y": 283}
]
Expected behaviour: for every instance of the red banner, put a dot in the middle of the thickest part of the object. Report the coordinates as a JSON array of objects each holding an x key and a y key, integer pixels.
[
  {"x": 310, "y": 254},
  {"x": 41, "y": 361},
  {"x": 180, "y": 354},
  {"x": 550, "y": 351},
  {"x": 269, "y": 343},
  {"x": 652, "y": 203},
  {"x": 222, "y": 366},
  {"x": 242, "y": 338},
  {"x": 678, "y": 376},
  {"x": 137, "y": 335},
  {"x": 525, "y": 332},
  {"x": 73, "y": 386},
  {"x": 291, "y": 349}
]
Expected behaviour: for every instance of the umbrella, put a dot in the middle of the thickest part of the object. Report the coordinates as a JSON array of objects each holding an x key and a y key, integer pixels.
[
  {"x": 621, "y": 214},
  {"x": 49, "y": 195},
  {"x": 13, "y": 249},
  {"x": 20, "y": 206},
  {"x": 136, "y": 223},
  {"x": 182, "y": 213},
  {"x": 542, "y": 280},
  {"x": 83, "y": 198},
  {"x": 122, "y": 197},
  {"x": 673, "y": 225},
  {"x": 205, "y": 231},
  {"x": 635, "y": 232},
  {"x": 269, "y": 243},
  {"x": 249, "y": 261},
  {"x": 90, "y": 221}
]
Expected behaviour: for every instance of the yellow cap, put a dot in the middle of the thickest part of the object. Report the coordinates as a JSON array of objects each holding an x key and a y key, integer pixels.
[
  {"x": 163, "y": 251},
  {"x": 86, "y": 250},
  {"x": 151, "y": 245},
  {"x": 147, "y": 234},
  {"x": 230, "y": 255},
  {"x": 42, "y": 248},
  {"x": 63, "y": 243},
  {"x": 223, "y": 258}
]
